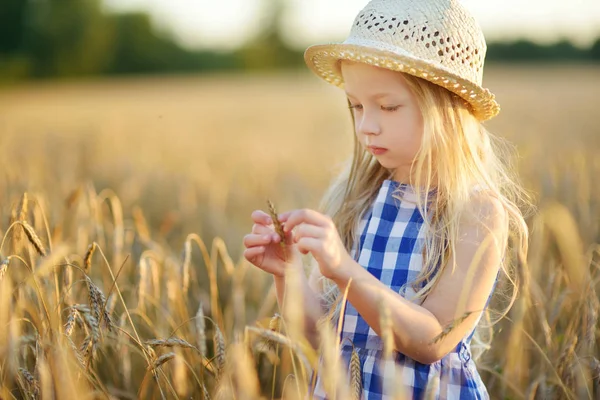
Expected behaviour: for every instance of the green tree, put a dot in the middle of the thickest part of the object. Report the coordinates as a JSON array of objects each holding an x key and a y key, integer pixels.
[
  {"x": 68, "y": 37},
  {"x": 595, "y": 50},
  {"x": 268, "y": 49},
  {"x": 139, "y": 49},
  {"x": 12, "y": 26}
]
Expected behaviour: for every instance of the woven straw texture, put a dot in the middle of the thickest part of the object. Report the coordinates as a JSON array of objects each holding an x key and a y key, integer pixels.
[{"x": 437, "y": 40}]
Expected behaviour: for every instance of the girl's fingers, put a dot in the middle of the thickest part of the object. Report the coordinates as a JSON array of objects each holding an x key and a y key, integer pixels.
[
  {"x": 259, "y": 229},
  {"x": 307, "y": 244},
  {"x": 261, "y": 217},
  {"x": 306, "y": 230},
  {"x": 263, "y": 230},
  {"x": 253, "y": 252},
  {"x": 284, "y": 216},
  {"x": 297, "y": 217},
  {"x": 254, "y": 255},
  {"x": 252, "y": 240}
]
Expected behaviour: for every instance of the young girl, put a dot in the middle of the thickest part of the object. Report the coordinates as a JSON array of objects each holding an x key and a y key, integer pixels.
[{"x": 419, "y": 220}]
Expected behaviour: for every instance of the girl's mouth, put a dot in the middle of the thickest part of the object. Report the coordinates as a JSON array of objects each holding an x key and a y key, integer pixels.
[{"x": 376, "y": 150}]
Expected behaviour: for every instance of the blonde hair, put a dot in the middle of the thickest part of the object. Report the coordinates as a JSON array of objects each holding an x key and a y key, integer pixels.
[{"x": 456, "y": 154}]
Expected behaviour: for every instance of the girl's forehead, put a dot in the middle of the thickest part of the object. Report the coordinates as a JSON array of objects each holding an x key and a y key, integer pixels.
[{"x": 367, "y": 78}]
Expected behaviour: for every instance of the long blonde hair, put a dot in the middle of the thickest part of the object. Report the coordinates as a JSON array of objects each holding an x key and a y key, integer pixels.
[{"x": 457, "y": 153}]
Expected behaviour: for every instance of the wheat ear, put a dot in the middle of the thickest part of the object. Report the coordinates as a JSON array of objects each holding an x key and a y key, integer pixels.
[
  {"x": 34, "y": 239},
  {"x": 355, "y": 376},
  {"x": 450, "y": 327},
  {"x": 170, "y": 342},
  {"x": 278, "y": 227}
]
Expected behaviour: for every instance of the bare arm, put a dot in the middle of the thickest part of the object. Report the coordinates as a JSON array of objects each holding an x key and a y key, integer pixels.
[
  {"x": 264, "y": 250},
  {"x": 462, "y": 287}
]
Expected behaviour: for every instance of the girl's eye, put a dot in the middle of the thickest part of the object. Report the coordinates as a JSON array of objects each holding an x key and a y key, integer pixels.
[
  {"x": 394, "y": 108},
  {"x": 356, "y": 107}
]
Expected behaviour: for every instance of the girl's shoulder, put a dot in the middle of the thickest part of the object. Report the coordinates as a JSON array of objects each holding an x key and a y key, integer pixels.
[{"x": 484, "y": 205}]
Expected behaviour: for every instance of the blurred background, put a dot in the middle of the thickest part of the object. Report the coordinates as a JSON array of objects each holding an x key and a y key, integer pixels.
[
  {"x": 133, "y": 123},
  {"x": 198, "y": 110}
]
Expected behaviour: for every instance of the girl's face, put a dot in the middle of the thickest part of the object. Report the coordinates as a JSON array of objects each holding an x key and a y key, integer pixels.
[{"x": 386, "y": 115}]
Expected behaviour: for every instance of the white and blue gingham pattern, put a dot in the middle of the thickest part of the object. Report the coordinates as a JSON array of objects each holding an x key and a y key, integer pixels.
[{"x": 391, "y": 243}]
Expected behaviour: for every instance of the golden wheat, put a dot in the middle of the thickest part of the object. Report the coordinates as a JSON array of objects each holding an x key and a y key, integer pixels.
[
  {"x": 355, "y": 376},
  {"x": 32, "y": 388},
  {"x": 450, "y": 327},
  {"x": 161, "y": 360},
  {"x": 4, "y": 267},
  {"x": 33, "y": 238},
  {"x": 196, "y": 189},
  {"x": 170, "y": 342},
  {"x": 87, "y": 260},
  {"x": 219, "y": 345},
  {"x": 201, "y": 331},
  {"x": 278, "y": 227}
]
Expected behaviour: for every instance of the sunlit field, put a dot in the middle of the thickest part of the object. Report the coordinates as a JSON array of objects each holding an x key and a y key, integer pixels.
[{"x": 123, "y": 204}]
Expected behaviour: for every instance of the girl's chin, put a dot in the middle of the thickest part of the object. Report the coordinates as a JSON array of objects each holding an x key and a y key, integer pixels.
[{"x": 387, "y": 164}]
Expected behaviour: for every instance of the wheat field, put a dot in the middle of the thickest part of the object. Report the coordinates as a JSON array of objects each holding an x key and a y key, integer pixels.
[{"x": 124, "y": 203}]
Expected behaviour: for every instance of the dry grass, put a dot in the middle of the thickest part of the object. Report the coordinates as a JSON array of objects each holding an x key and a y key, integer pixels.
[{"x": 104, "y": 184}]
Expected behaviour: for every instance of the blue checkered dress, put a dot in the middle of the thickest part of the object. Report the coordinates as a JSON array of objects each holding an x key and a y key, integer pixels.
[{"x": 392, "y": 238}]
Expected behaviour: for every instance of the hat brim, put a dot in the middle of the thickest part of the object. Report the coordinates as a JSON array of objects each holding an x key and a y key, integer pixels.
[{"x": 324, "y": 59}]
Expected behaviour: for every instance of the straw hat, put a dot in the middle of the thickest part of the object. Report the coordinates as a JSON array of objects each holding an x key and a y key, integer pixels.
[{"x": 437, "y": 40}]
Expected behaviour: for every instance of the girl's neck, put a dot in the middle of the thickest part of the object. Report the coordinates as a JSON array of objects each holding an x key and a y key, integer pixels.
[{"x": 404, "y": 178}]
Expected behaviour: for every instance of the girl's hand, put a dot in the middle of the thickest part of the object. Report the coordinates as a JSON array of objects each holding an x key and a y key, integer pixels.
[
  {"x": 317, "y": 234},
  {"x": 263, "y": 246}
]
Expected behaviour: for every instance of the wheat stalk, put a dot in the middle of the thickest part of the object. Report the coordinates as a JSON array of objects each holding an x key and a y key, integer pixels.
[
  {"x": 219, "y": 345},
  {"x": 141, "y": 225},
  {"x": 595, "y": 371},
  {"x": 433, "y": 388},
  {"x": 34, "y": 239},
  {"x": 87, "y": 260},
  {"x": 4, "y": 267},
  {"x": 332, "y": 371},
  {"x": 23, "y": 207},
  {"x": 161, "y": 360},
  {"x": 20, "y": 215},
  {"x": 33, "y": 387},
  {"x": 77, "y": 353},
  {"x": 450, "y": 327},
  {"x": 90, "y": 321},
  {"x": 205, "y": 394},
  {"x": 355, "y": 376},
  {"x": 67, "y": 284},
  {"x": 87, "y": 350},
  {"x": 201, "y": 331},
  {"x": 170, "y": 342},
  {"x": 71, "y": 319},
  {"x": 591, "y": 316},
  {"x": 185, "y": 266},
  {"x": 180, "y": 378},
  {"x": 98, "y": 304},
  {"x": 286, "y": 341},
  {"x": 267, "y": 345},
  {"x": 143, "y": 282},
  {"x": 45, "y": 378},
  {"x": 278, "y": 227},
  {"x": 387, "y": 333},
  {"x": 124, "y": 353},
  {"x": 274, "y": 326},
  {"x": 243, "y": 373}
]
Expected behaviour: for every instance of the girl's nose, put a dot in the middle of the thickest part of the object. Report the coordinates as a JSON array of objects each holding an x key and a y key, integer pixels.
[{"x": 369, "y": 125}]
